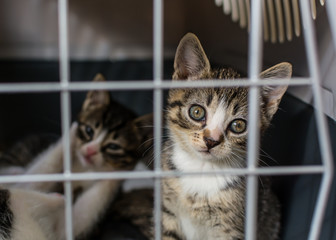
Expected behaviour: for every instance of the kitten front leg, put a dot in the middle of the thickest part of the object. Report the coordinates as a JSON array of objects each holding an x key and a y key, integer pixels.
[
  {"x": 91, "y": 205},
  {"x": 48, "y": 162},
  {"x": 170, "y": 225}
]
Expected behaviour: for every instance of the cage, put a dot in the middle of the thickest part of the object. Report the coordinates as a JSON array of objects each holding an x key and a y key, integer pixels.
[{"x": 50, "y": 49}]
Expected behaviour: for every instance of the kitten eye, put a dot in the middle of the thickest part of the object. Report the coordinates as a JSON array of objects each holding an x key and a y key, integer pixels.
[
  {"x": 238, "y": 126},
  {"x": 113, "y": 146},
  {"x": 89, "y": 131},
  {"x": 197, "y": 113},
  {"x": 85, "y": 132}
]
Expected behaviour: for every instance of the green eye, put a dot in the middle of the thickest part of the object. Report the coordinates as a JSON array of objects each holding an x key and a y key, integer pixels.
[
  {"x": 197, "y": 113},
  {"x": 238, "y": 126}
]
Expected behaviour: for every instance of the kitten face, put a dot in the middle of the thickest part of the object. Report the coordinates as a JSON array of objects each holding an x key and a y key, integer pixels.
[
  {"x": 209, "y": 123},
  {"x": 212, "y": 123},
  {"x": 107, "y": 136}
]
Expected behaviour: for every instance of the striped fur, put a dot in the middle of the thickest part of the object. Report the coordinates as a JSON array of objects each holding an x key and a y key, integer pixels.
[
  {"x": 6, "y": 217},
  {"x": 213, "y": 207},
  {"x": 106, "y": 137}
]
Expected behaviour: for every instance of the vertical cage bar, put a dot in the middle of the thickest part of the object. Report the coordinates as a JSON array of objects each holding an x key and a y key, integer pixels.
[
  {"x": 331, "y": 6},
  {"x": 157, "y": 73},
  {"x": 254, "y": 67},
  {"x": 65, "y": 110},
  {"x": 324, "y": 141}
]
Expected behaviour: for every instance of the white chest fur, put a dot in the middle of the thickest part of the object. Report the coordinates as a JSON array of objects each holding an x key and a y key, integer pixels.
[{"x": 203, "y": 185}]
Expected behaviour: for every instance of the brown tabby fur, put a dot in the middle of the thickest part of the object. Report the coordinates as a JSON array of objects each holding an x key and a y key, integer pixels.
[
  {"x": 203, "y": 207},
  {"x": 213, "y": 211},
  {"x": 107, "y": 137}
]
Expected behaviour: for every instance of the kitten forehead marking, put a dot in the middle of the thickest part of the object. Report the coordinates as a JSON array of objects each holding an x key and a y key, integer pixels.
[{"x": 216, "y": 120}]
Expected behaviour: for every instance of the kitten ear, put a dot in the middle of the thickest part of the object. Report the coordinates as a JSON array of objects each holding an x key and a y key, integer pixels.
[
  {"x": 190, "y": 59},
  {"x": 272, "y": 94},
  {"x": 97, "y": 98}
]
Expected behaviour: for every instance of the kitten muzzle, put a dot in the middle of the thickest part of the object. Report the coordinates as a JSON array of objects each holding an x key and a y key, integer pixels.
[{"x": 210, "y": 142}]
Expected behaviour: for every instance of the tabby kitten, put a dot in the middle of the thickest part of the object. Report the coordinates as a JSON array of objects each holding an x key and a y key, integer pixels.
[
  {"x": 106, "y": 137},
  {"x": 208, "y": 131}
]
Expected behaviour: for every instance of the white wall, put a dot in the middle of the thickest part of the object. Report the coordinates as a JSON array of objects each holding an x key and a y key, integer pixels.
[{"x": 114, "y": 29}]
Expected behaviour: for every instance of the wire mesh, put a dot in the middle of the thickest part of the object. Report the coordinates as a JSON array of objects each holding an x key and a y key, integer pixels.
[
  {"x": 324, "y": 141},
  {"x": 65, "y": 112},
  {"x": 158, "y": 85},
  {"x": 254, "y": 68}
]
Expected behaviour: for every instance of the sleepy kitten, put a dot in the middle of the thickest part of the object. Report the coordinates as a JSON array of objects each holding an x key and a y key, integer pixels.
[
  {"x": 106, "y": 137},
  {"x": 208, "y": 131}
]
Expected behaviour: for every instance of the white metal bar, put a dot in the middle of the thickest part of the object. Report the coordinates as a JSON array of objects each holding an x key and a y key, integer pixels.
[
  {"x": 288, "y": 19},
  {"x": 143, "y": 85},
  {"x": 280, "y": 20},
  {"x": 324, "y": 141},
  {"x": 296, "y": 17},
  {"x": 158, "y": 69},
  {"x": 254, "y": 68},
  {"x": 272, "y": 21},
  {"x": 65, "y": 111},
  {"x": 265, "y": 171},
  {"x": 331, "y": 6}
]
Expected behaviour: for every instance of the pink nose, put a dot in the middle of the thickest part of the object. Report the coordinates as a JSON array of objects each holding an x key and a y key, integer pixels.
[{"x": 90, "y": 151}]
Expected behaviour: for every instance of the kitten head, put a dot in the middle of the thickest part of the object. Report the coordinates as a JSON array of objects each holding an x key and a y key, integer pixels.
[
  {"x": 109, "y": 136},
  {"x": 211, "y": 123}
]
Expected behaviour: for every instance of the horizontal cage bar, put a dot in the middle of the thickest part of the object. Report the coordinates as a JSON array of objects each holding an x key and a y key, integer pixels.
[
  {"x": 293, "y": 170},
  {"x": 143, "y": 85}
]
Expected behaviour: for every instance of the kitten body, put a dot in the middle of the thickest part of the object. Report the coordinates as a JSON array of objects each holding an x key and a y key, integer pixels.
[
  {"x": 24, "y": 215},
  {"x": 107, "y": 137},
  {"x": 208, "y": 131}
]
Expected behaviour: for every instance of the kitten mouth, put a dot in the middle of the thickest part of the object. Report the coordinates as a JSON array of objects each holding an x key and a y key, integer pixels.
[
  {"x": 88, "y": 160},
  {"x": 85, "y": 161},
  {"x": 207, "y": 152}
]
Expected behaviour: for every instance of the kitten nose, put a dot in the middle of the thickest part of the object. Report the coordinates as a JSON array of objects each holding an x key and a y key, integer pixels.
[
  {"x": 90, "y": 151},
  {"x": 210, "y": 142}
]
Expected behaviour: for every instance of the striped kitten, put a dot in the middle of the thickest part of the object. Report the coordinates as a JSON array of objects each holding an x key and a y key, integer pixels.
[
  {"x": 208, "y": 131},
  {"x": 106, "y": 137}
]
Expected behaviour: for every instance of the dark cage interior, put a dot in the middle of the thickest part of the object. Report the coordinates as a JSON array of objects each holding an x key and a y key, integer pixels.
[{"x": 292, "y": 139}]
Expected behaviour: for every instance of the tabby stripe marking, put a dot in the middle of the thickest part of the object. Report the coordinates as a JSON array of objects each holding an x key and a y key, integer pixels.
[
  {"x": 186, "y": 96},
  {"x": 179, "y": 123},
  {"x": 176, "y": 103},
  {"x": 231, "y": 97},
  {"x": 165, "y": 210},
  {"x": 209, "y": 100},
  {"x": 118, "y": 126},
  {"x": 172, "y": 234},
  {"x": 235, "y": 108},
  {"x": 6, "y": 218},
  {"x": 171, "y": 165}
]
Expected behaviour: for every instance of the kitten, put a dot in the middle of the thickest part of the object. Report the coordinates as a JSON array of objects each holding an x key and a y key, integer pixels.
[
  {"x": 208, "y": 131},
  {"x": 106, "y": 137}
]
